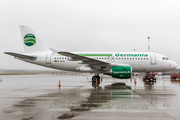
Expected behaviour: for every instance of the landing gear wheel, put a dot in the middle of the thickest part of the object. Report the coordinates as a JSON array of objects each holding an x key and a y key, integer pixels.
[
  {"x": 151, "y": 79},
  {"x": 98, "y": 78},
  {"x": 94, "y": 84},
  {"x": 94, "y": 78}
]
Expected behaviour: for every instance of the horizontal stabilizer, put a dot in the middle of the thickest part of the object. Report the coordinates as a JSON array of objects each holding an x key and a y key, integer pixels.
[{"x": 22, "y": 56}]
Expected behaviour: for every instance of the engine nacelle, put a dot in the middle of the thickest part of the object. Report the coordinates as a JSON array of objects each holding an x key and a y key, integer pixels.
[{"x": 122, "y": 72}]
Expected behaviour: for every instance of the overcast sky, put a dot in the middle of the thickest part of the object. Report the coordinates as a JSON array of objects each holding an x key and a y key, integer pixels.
[{"x": 91, "y": 26}]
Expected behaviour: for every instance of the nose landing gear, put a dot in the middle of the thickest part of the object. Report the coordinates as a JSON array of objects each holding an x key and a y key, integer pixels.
[{"x": 149, "y": 77}]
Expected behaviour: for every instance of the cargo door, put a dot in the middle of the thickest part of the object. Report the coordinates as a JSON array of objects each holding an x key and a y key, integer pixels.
[
  {"x": 152, "y": 59},
  {"x": 48, "y": 58}
]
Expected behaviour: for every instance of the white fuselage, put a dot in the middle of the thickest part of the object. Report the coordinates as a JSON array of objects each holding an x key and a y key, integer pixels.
[{"x": 139, "y": 61}]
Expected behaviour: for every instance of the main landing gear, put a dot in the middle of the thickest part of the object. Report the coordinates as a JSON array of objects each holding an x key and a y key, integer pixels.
[{"x": 95, "y": 80}]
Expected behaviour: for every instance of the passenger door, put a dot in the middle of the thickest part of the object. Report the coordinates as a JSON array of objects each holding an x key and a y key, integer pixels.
[
  {"x": 152, "y": 59},
  {"x": 48, "y": 58}
]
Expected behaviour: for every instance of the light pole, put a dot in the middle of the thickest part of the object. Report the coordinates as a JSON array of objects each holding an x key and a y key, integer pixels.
[{"x": 148, "y": 43}]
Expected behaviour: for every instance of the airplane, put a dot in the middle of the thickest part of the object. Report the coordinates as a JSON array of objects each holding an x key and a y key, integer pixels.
[{"x": 116, "y": 64}]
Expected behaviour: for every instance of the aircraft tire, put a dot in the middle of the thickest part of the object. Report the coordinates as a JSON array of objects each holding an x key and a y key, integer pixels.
[
  {"x": 94, "y": 79},
  {"x": 98, "y": 78},
  {"x": 151, "y": 80},
  {"x": 94, "y": 84}
]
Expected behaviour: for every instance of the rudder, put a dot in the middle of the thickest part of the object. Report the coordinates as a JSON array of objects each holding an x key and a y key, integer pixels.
[{"x": 31, "y": 42}]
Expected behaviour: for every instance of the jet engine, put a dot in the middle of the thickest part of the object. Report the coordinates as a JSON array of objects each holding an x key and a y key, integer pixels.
[{"x": 122, "y": 72}]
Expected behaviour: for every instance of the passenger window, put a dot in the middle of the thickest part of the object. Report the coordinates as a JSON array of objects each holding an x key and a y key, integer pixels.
[
  {"x": 127, "y": 58},
  {"x": 55, "y": 58},
  {"x": 147, "y": 58}
]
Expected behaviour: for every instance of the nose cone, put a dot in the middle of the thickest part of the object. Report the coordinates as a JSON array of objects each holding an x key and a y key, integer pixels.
[{"x": 173, "y": 65}]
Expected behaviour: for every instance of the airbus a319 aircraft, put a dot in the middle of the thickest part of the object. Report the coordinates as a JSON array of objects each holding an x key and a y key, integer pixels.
[{"x": 117, "y": 64}]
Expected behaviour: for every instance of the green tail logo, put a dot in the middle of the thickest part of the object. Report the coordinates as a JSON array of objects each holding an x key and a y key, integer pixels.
[{"x": 29, "y": 39}]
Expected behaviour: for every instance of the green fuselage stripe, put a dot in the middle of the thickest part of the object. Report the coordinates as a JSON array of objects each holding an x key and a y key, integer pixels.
[
  {"x": 94, "y": 54},
  {"x": 91, "y": 54}
]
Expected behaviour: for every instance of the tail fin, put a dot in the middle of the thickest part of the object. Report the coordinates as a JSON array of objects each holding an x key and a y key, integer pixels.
[{"x": 31, "y": 42}]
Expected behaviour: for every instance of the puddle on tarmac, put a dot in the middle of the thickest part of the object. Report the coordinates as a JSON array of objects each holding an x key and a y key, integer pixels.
[
  {"x": 20, "y": 106},
  {"x": 67, "y": 116},
  {"x": 80, "y": 109},
  {"x": 98, "y": 97}
]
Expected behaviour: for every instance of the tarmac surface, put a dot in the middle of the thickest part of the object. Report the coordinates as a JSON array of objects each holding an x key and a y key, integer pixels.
[{"x": 38, "y": 97}]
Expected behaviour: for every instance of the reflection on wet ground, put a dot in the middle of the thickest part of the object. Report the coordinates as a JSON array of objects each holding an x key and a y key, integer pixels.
[
  {"x": 98, "y": 97},
  {"x": 40, "y": 98}
]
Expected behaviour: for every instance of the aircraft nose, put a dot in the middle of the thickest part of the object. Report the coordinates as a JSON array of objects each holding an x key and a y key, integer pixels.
[{"x": 173, "y": 65}]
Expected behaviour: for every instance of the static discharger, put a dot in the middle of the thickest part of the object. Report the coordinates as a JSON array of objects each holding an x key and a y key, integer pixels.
[{"x": 59, "y": 83}]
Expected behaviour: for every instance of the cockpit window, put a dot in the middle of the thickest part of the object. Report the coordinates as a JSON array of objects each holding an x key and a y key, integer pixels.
[{"x": 165, "y": 58}]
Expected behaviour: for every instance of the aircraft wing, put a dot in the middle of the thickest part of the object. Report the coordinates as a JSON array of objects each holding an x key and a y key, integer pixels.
[
  {"x": 94, "y": 63},
  {"x": 86, "y": 60},
  {"x": 22, "y": 56}
]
